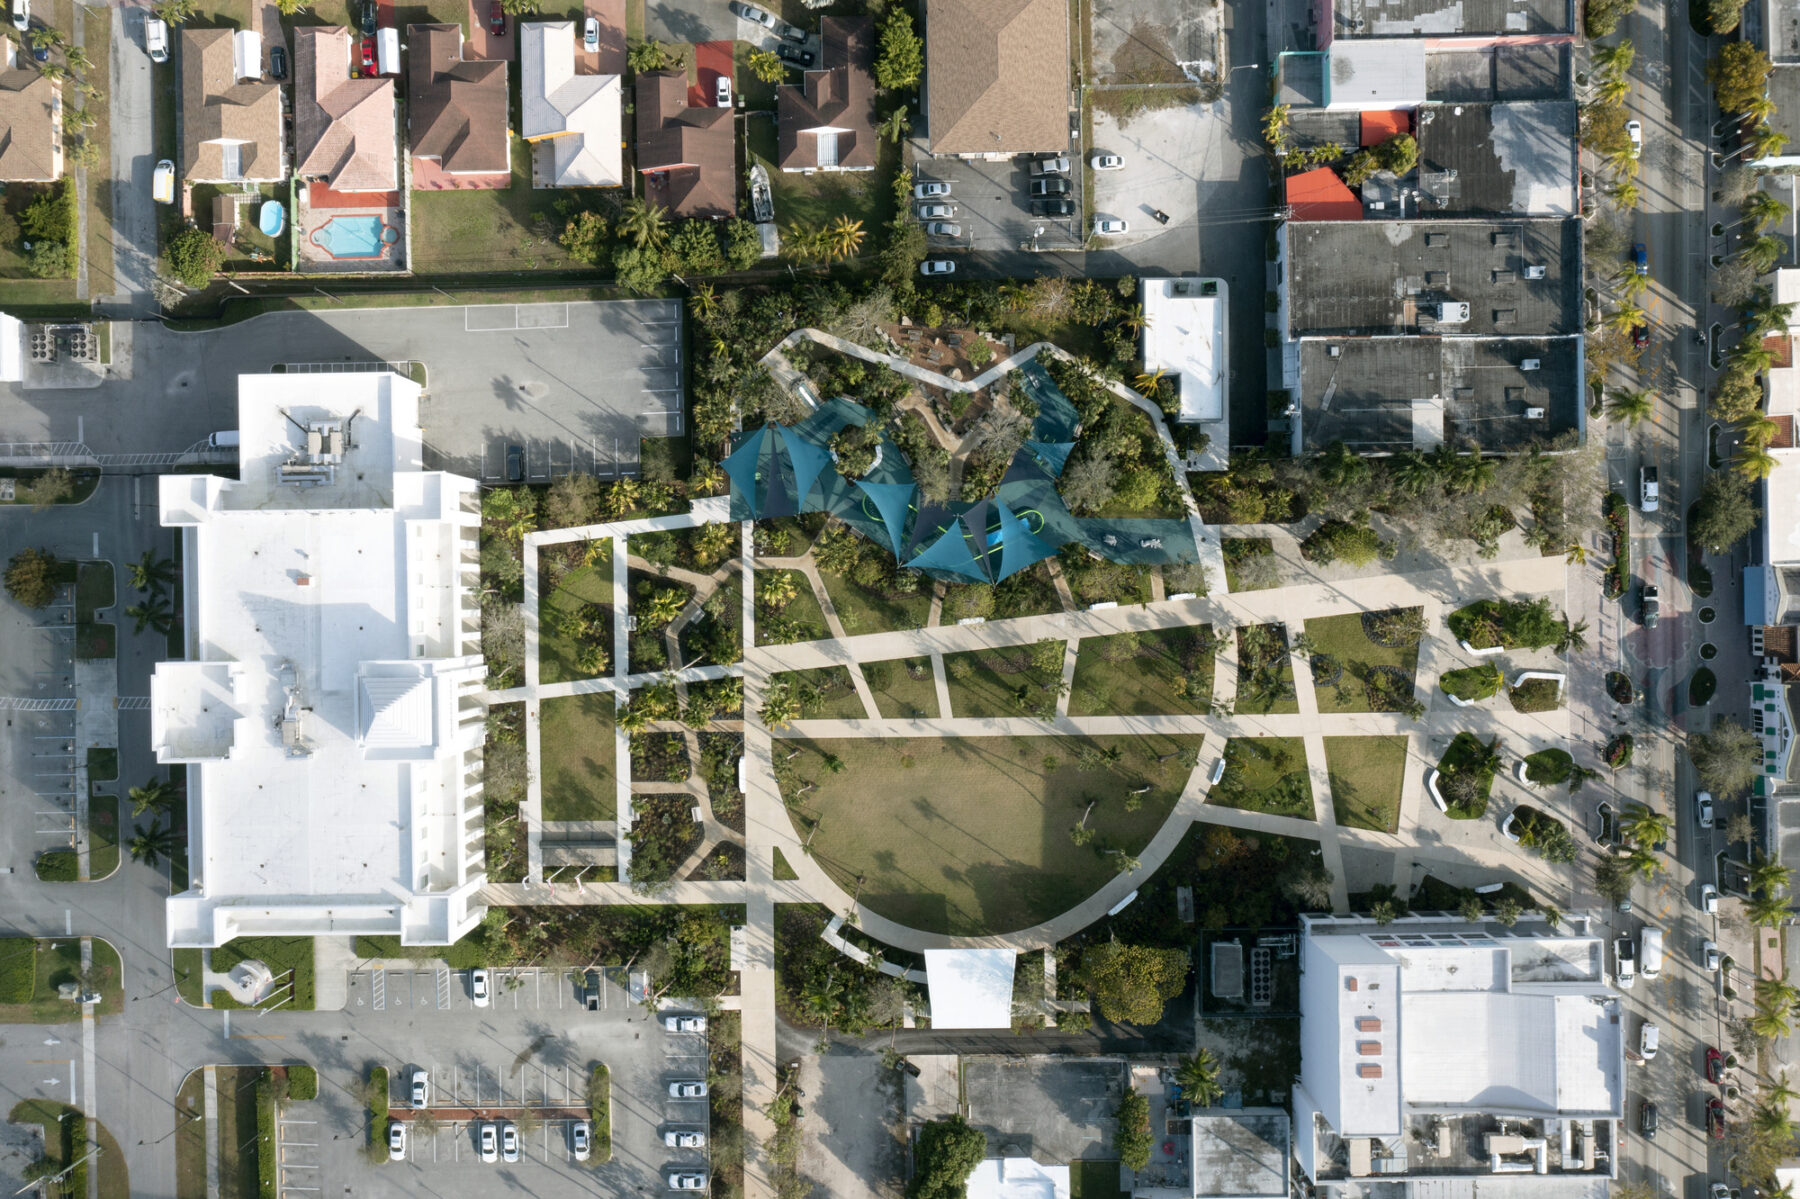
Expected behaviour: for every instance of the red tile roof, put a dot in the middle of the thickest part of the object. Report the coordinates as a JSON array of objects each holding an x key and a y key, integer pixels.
[
  {"x": 1377, "y": 127},
  {"x": 1319, "y": 195}
]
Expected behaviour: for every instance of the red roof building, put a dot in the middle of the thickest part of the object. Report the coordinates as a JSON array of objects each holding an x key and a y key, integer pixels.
[
  {"x": 1378, "y": 126},
  {"x": 1319, "y": 195}
]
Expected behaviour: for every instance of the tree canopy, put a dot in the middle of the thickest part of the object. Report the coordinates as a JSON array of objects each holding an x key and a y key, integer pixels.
[
  {"x": 1740, "y": 77},
  {"x": 902, "y": 56},
  {"x": 946, "y": 1153},
  {"x": 31, "y": 577},
  {"x": 1132, "y": 982},
  {"x": 1727, "y": 759},
  {"x": 1724, "y": 514}
]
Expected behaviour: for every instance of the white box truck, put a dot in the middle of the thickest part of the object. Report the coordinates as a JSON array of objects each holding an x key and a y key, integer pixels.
[{"x": 1650, "y": 952}]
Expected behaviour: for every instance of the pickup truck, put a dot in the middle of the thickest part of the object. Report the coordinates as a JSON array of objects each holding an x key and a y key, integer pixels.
[
  {"x": 1651, "y": 602},
  {"x": 1649, "y": 493}
]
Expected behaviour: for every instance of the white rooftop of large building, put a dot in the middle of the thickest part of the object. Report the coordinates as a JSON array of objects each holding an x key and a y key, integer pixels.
[
  {"x": 1017, "y": 1178},
  {"x": 1185, "y": 335},
  {"x": 330, "y": 692},
  {"x": 578, "y": 116},
  {"x": 970, "y": 988}
]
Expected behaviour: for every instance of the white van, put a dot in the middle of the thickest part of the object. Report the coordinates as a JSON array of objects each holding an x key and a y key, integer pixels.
[
  {"x": 162, "y": 182},
  {"x": 156, "y": 39},
  {"x": 1650, "y": 952},
  {"x": 224, "y": 439}
]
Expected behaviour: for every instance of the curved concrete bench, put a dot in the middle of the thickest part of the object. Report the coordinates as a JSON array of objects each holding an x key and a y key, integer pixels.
[
  {"x": 1526, "y": 676},
  {"x": 1459, "y": 702},
  {"x": 1437, "y": 797},
  {"x": 1519, "y": 773},
  {"x": 1482, "y": 653}
]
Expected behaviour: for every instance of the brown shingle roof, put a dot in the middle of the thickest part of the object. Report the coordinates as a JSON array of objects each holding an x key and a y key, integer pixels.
[
  {"x": 218, "y": 109},
  {"x": 456, "y": 107},
  {"x": 30, "y": 124},
  {"x": 343, "y": 127},
  {"x": 997, "y": 75},
  {"x": 839, "y": 96},
  {"x": 689, "y": 153}
]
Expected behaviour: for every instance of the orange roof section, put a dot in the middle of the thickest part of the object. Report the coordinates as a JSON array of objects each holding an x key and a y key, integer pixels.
[
  {"x": 1377, "y": 127},
  {"x": 1319, "y": 195}
]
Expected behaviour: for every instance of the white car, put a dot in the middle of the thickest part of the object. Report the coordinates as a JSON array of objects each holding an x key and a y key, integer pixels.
[
  {"x": 1107, "y": 162},
  {"x": 752, "y": 14},
  {"x": 421, "y": 1089},
  {"x": 156, "y": 39},
  {"x": 937, "y": 266},
  {"x": 936, "y": 211},
  {"x": 581, "y": 1139},
  {"x": 723, "y": 91},
  {"x": 1648, "y": 1037},
  {"x": 21, "y": 14},
  {"x": 509, "y": 1141},
  {"x": 684, "y": 1138},
  {"x": 930, "y": 190},
  {"x": 1709, "y": 899},
  {"x": 396, "y": 1142},
  {"x": 1703, "y": 808},
  {"x": 1635, "y": 131},
  {"x": 1110, "y": 225},
  {"x": 478, "y": 987},
  {"x": 943, "y": 229},
  {"x": 1709, "y": 955},
  {"x": 685, "y": 1023},
  {"x": 490, "y": 1143},
  {"x": 687, "y": 1088},
  {"x": 687, "y": 1180}
]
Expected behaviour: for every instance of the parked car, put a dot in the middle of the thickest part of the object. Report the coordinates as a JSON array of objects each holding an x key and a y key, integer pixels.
[
  {"x": 1106, "y": 162},
  {"x": 156, "y": 39},
  {"x": 722, "y": 92},
  {"x": 931, "y": 189},
  {"x": 592, "y": 993},
  {"x": 1652, "y": 609},
  {"x": 687, "y": 1088},
  {"x": 791, "y": 33},
  {"x": 590, "y": 35},
  {"x": 21, "y": 14},
  {"x": 1635, "y": 131},
  {"x": 1649, "y": 489},
  {"x": 1056, "y": 164},
  {"x": 1647, "y": 1120},
  {"x": 1640, "y": 335},
  {"x": 929, "y": 211},
  {"x": 581, "y": 1140},
  {"x": 937, "y": 266},
  {"x": 1640, "y": 258},
  {"x": 396, "y": 1141},
  {"x": 1709, "y": 956},
  {"x": 368, "y": 17},
  {"x": 421, "y": 1089},
  {"x": 687, "y": 1180},
  {"x": 496, "y": 18},
  {"x": 794, "y": 54},
  {"x": 1709, "y": 899},
  {"x": 478, "y": 987},
  {"x": 162, "y": 182},
  {"x": 1715, "y": 1118},
  {"x": 943, "y": 229},
  {"x": 515, "y": 464},
  {"x": 1624, "y": 962},
  {"x": 753, "y": 14},
  {"x": 684, "y": 1138},
  {"x": 685, "y": 1023},
  {"x": 40, "y": 54},
  {"x": 278, "y": 63},
  {"x": 509, "y": 1141},
  {"x": 1050, "y": 187},
  {"x": 1649, "y": 1035},
  {"x": 490, "y": 1143},
  {"x": 1703, "y": 809},
  {"x": 1053, "y": 208},
  {"x": 368, "y": 56},
  {"x": 1110, "y": 226},
  {"x": 1715, "y": 1066}
]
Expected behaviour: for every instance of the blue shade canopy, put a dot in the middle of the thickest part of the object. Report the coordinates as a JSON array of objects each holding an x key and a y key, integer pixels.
[
  {"x": 951, "y": 552},
  {"x": 808, "y": 461},
  {"x": 1053, "y": 454},
  {"x": 742, "y": 466},
  {"x": 891, "y": 500},
  {"x": 1019, "y": 546}
]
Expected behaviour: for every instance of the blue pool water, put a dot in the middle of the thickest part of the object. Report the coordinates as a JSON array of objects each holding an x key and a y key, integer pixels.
[{"x": 354, "y": 236}]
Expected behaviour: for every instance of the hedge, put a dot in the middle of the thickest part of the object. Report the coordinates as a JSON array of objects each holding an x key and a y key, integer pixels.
[
  {"x": 599, "y": 1097},
  {"x": 378, "y": 1110},
  {"x": 58, "y": 866},
  {"x": 303, "y": 1082},
  {"x": 18, "y": 969},
  {"x": 265, "y": 1135},
  {"x": 1474, "y": 682}
]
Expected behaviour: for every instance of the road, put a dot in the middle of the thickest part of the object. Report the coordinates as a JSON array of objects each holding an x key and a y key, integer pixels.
[{"x": 134, "y": 224}]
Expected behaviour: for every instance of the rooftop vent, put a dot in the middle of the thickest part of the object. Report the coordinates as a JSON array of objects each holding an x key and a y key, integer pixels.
[
  {"x": 1335, "y": 352},
  {"x": 1368, "y": 1024},
  {"x": 1369, "y": 1070},
  {"x": 1350, "y": 983},
  {"x": 1436, "y": 241},
  {"x": 1536, "y": 272},
  {"x": 1368, "y": 1048},
  {"x": 1536, "y": 413},
  {"x": 1531, "y": 364},
  {"x": 1503, "y": 237},
  {"x": 1453, "y": 313}
]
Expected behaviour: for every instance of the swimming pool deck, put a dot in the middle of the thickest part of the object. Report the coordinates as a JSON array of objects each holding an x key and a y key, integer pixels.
[{"x": 314, "y": 258}]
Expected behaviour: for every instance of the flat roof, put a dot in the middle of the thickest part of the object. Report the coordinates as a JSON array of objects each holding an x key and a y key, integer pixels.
[
  {"x": 1438, "y": 18},
  {"x": 1017, "y": 1178},
  {"x": 1375, "y": 74},
  {"x": 1781, "y": 30},
  {"x": 1184, "y": 334},
  {"x": 1499, "y": 1052},
  {"x": 1518, "y": 278},
  {"x": 1507, "y": 71},
  {"x": 1499, "y": 159},
  {"x": 970, "y": 988},
  {"x": 1388, "y": 394},
  {"x": 1784, "y": 90},
  {"x": 1241, "y": 1154}
]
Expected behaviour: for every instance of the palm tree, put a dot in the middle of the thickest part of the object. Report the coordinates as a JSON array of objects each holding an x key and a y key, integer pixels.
[
  {"x": 1632, "y": 285},
  {"x": 1631, "y": 406},
  {"x": 1766, "y": 141},
  {"x": 1763, "y": 251},
  {"x": 1644, "y": 824},
  {"x": 1641, "y": 861},
  {"x": 1760, "y": 432},
  {"x": 1625, "y": 193},
  {"x": 1576, "y": 554},
  {"x": 153, "y": 843},
  {"x": 1145, "y": 384},
  {"x": 1753, "y": 463},
  {"x": 1625, "y": 318},
  {"x": 1769, "y": 876},
  {"x": 154, "y": 796},
  {"x": 1768, "y": 911},
  {"x": 897, "y": 125},
  {"x": 1412, "y": 472},
  {"x": 154, "y": 612},
  {"x": 642, "y": 223},
  {"x": 1616, "y": 59},
  {"x": 42, "y": 37},
  {"x": 845, "y": 237},
  {"x": 633, "y": 719},
  {"x": 1134, "y": 320},
  {"x": 1772, "y": 1122},
  {"x": 1751, "y": 356},
  {"x": 704, "y": 301},
  {"x": 1199, "y": 1078},
  {"x": 1762, "y": 210},
  {"x": 1610, "y": 90},
  {"x": 150, "y": 571},
  {"x": 1573, "y": 638},
  {"x": 77, "y": 58}
]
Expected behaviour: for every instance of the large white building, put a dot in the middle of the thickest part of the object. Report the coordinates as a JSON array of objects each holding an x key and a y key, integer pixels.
[
  {"x": 1464, "y": 1053},
  {"x": 329, "y": 709}
]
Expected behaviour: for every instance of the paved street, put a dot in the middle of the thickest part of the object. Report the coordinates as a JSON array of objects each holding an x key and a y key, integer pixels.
[{"x": 134, "y": 224}]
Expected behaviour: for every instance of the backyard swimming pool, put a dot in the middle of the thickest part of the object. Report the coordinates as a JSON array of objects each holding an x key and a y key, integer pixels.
[{"x": 355, "y": 236}]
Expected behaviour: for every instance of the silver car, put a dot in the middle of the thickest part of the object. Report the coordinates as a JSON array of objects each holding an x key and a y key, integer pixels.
[
  {"x": 933, "y": 211},
  {"x": 687, "y": 1088},
  {"x": 930, "y": 190},
  {"x": 684, "y": 1138},
  {"x": 943, "y": 229},
  {"x": 581, "y": 1139},
  {"x": 753, "y": 14}
]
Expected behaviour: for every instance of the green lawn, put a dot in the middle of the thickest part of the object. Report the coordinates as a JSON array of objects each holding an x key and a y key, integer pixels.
[
  {"x": 52, "y": 962},
  {"x": 514, "y": 229},
  {"x": 1343, "y": 652},
  {"x": 971, "y": 836},
  {"x": 187, "y": 967},
  {"x": 1366, "y": 776},
  {"x": 578, "y": 758},
  {"x": 993, "y": 681},
  {"x": 863, "y": 611},
  {"x": 1167, "y": 674},
  {"x": 1265, "y": 774},
  {"x": 290, "y": 959},
  {"x": 103, "y": 835},
  {"x": 558, "y": 649},
  {"x": 1094, "y": 1180},
  {"x": 94, "y": 591},
  {"x": 826, "y": 693},
  {"x": 237, "y": 1131},
  {"x": 903, "y": 689},
  {"x": 799, "y": 619}
]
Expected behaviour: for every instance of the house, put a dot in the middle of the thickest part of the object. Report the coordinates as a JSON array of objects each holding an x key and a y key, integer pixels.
[
  {"x": 828, "y": 122},
  {"x": 31, "y": 144},
  {"x": 1437, "y": 1052},
  {"x": 456, "y": 106},
  {"x": 230, "y": 118},
  {"x": 572, "y": 121},
  {"x": 996, "y": 77},
  {"x": 1185, "y": 335},
  {"x": 328, "y": 709},
  {"x": 686, "y": 152},
  {"x": 343, "y": 127}
]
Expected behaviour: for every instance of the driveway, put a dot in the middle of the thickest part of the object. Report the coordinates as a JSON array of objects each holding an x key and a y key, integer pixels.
[
  {"x": 127, "y": 293},
  {"x": 688, "y": 21}
]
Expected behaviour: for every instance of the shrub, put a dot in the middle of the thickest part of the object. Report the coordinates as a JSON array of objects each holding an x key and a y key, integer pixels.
[
  {"x": 194, "y": 257},
  {"x": 18, "y": 969},
  {"x": 1356, "y": 544},
  {"x": 945, "y": 1154},
  {"x": 1536, "y": 695},
  {"x": 31, "y": 577},
  {"x": 1512, "y": 624},
  {"x": 1474, "y": 682},
  {"x": 1549, "y": 767},
  {"x": 303, "y": 1082},
  {"x": 1618, "y": 751},
  {"x": 599, "y": 1101},
  {"x": 58, "y": 866},
  {"x": 1466, "y": 775},
  {"x": 1702, "y": 686},
  {"x": 1133, "y": 1139},
  {"x": 375, "y": 1095}
]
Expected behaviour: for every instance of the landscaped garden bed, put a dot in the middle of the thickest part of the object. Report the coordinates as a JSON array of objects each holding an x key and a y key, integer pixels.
[
  {"x": 1265, "y": 671},
  {"x": 1615, "y": 512},
  {"x": 1548, "y": 767},
  {"x": 1153, "y": 672},
  {"x": 1265, "y": 774},
  {"x": 1366, "y": 777},
  {"x": 1466, "y": 775},
  {"x": 722, "y": 863},
  {"x": 1250, "y": 564},
  {"x": 1473, "y": 683},
  {"x": 1702, "y": 687},
  {"x": 903, "y": 689},
  {"x": 1619, "y": 688},
  {"x": 1364, "y": 661},
  {"x": 719, "y": 754},
  {"x": 659, "y": 758},
  {"x": 1536, "y": 695},
  {"x": 1618, "y": 751},
  {"x": 1031, "y": 592},
  {"x": 655, "y": 603},
  {"x": 786, "y": 609},
  {"x": 575, "y": 629},
  {"x": 824, "y": 693},
  {"x": 715, "y": 636},
  {"x": 1508, "y": 624},
  {"x": 663, "y": 834},
  {"x": 1542, "y": 834}
]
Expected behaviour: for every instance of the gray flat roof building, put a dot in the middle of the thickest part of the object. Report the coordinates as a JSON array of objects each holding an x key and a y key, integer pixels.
[
  {"x": 1518, "y": 278},
  {"x": 1241, "y": 1154},
  {"x": 1498, "y": 159},
  {"x": 1439, "y": 18}
]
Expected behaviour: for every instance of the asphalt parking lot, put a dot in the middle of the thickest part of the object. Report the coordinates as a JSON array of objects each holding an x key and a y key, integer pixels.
[
  {"x": 1166, "y": 154},
  {"x": 993, "y": 205}
]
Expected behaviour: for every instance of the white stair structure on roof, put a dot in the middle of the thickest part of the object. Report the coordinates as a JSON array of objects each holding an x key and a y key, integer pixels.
[{"x": 329, "y": 709}]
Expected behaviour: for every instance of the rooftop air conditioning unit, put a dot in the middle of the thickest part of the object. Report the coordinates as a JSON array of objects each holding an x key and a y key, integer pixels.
[
  {"x": 1535, "y": 272},
  {"x": 1334, "y": 351},
  {"x": 1377, "y": 205},
  {"x": 1453, "y": 313},
  {"x": 1530, "y": 364},
  {"x": 1534, "y": 413}
]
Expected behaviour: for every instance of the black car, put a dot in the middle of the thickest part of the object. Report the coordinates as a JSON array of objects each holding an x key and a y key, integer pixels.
[
  {"x": 278, "y": 63},
  {"x": 1647, "y": 1120},
  {"x": 1053, "y": 208},
  {"x": 792, "y": 33},
  {"x": 515, "y": 463},
  {"x": 368, "y": 16},
  {"x": 794, "y": 54}
]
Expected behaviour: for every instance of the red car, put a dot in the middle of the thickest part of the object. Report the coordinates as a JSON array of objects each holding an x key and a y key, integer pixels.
[
  {"x": 1640, "y": 336},
  {"x": 1715, "y": 1066},
  {"x": 496, "y": 19},
  {"x": 368, "y": 56},
  {"x": 1715, "y": 1118}
]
